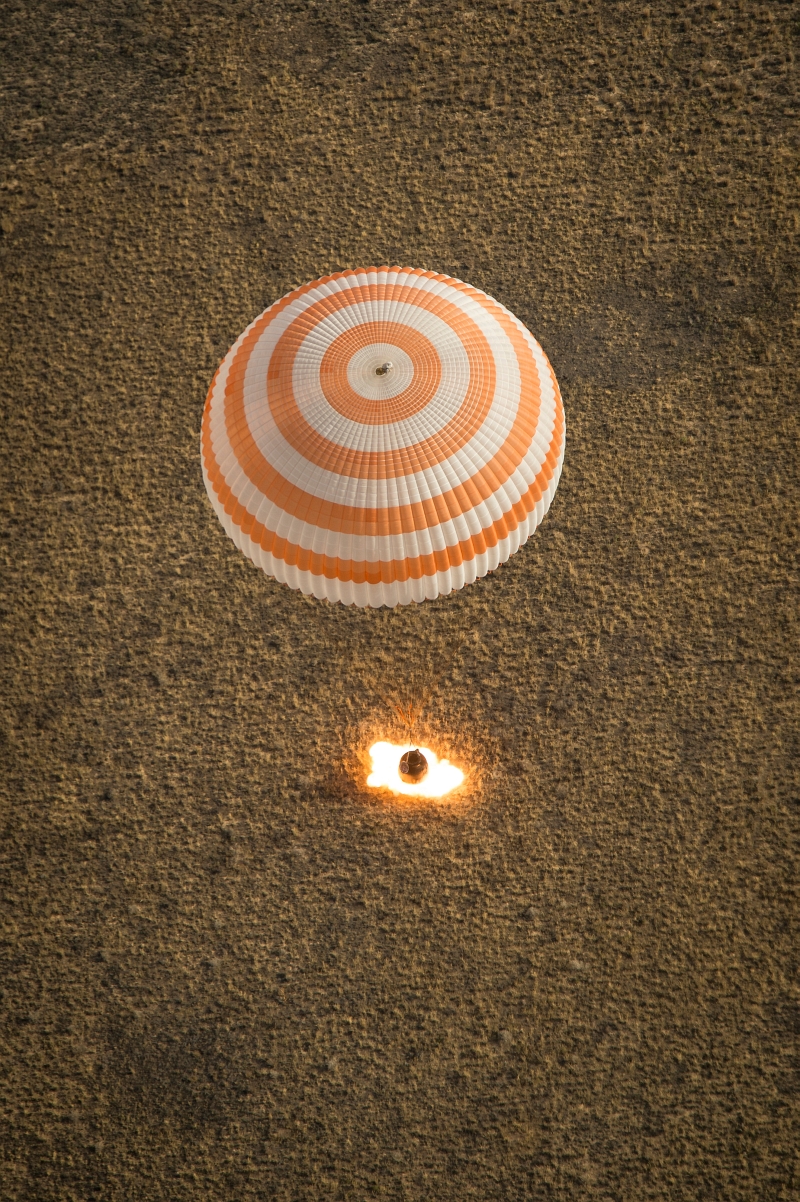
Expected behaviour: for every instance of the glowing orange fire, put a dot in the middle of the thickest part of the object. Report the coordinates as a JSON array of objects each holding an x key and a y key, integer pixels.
[{"x": 441, "y": 778}]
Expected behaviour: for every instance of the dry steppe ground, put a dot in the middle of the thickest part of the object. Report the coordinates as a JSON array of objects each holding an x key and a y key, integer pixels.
[{"x": 230, "y": 973}]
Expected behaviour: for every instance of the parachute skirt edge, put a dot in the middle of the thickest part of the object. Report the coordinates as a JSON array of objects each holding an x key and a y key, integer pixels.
[{"x": 383, "y": 593}]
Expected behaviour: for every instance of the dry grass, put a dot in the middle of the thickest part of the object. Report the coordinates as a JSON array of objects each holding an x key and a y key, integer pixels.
[{"x": 229, "y": 971}]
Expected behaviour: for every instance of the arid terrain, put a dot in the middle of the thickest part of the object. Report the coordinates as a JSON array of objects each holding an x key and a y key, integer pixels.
[{"x": 230, "y": 971}]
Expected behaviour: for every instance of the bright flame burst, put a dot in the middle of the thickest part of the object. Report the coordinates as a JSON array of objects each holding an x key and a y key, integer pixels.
[{"x": 441, "y": 777}]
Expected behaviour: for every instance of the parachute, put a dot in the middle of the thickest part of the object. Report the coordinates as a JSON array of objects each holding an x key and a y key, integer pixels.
[{"x": 382, "y": 436}]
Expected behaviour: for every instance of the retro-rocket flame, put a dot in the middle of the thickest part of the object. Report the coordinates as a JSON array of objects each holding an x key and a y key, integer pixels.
[{"x": 441, "y": 778}]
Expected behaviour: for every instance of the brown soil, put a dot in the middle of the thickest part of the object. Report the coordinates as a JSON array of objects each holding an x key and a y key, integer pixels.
[{"x": 229, "y": 972}]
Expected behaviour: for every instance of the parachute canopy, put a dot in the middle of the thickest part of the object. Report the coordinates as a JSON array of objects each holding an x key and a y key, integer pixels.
[{"x": 381, "y": 436}]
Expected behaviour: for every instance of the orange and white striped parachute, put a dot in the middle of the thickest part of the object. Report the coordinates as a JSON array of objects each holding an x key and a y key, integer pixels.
[{"x": 382, "y": 436}]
